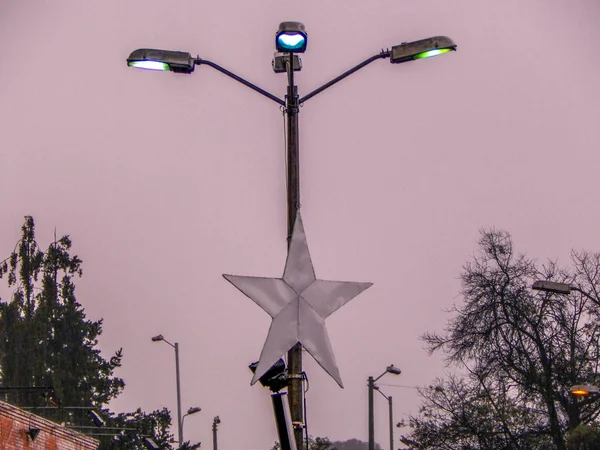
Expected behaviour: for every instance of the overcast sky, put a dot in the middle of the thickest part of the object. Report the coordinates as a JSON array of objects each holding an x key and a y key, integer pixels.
[{"x": 166, "y": 181}]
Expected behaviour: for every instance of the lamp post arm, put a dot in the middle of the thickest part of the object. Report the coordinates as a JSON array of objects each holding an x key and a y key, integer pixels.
[
  {"x": 585, "y": 294},
  {"x": 383, "y": 54},
  {"x": 380, "y": 376},
  {"x": 172, "y": 345},
  {"x": 384, "y": 396},
  {"x": 200, "y": 61}
]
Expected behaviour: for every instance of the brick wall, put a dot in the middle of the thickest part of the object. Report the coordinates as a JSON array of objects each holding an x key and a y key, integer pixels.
[{"x": 15, "y": 422}]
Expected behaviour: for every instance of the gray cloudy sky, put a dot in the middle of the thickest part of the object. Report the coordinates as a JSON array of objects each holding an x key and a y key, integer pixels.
[{"x": 166, "y": 181}]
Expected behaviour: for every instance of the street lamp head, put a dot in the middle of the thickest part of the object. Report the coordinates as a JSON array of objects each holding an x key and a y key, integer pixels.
[
  {"x": 152, "y": 59},
  {"x": 194, "y": 410},
  {"x": 157, "y": 338},
  {"x": 216, "y": 420},
  {"x": 581, "y": 390},
  {"x": 425, "y": 48},
  {"x": 551, "y": 286},
  {"x": 291, "y": 37},
  {"x": 393, "y": 370}
]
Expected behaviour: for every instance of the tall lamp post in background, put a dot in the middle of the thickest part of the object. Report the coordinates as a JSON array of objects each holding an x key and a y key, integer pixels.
[
  {"x": 290, "y": 40},
  {"x": 371, "y": 383},
  {"x": 158, "y": 338},
  {"x": 391, "y": 414}
]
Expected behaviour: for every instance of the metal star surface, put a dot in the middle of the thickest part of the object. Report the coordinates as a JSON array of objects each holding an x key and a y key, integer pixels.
[{"x": 299, "y": 305}]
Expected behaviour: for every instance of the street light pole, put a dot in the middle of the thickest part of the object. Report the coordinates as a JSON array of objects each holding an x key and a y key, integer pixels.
[
  {"x": 371, "y": 383},
  {"x": 216, "y": 422},
  {"x": 179, "y": 424},
  {"x": 391, "y": 423},
  {"x": 391, "y": 415},
  {"x": 293, "y": 204},
  {"x": 160, "y": 337},
  {"x": 290, "y": 39},
  {"x": 371, "y": 415}
]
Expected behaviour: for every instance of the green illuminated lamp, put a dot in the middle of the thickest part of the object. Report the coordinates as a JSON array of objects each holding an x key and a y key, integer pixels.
[
  {"x": 425, "y": 48},
  {"x": 291, "y": 37},
  {"x": 152, "y": 59}
]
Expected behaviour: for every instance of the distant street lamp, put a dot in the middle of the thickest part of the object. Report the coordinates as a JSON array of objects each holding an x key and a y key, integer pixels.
[
  {"x": 216, "y": 422},
  {"x": 581, "y": 390},
  {"x": 554, "y": 287},
  {"x": 371, "y": 383},
  {"x": 391, "y": 414},
  {"x": 158, "y": 338},
  {"x": 192, "y": 410},
  {"x": 290, "y": 39},
  {"x": 561, "y": 288}
]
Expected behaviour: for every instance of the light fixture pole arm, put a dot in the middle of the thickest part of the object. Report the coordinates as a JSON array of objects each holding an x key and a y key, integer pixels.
[
  {"x": 179, "y": 419},
  {"x": 200, "y": 61},
  {"x": 381, "y": 55},
  {"x": 585, "y": 294},
  {"x": 379, "y": 378}
]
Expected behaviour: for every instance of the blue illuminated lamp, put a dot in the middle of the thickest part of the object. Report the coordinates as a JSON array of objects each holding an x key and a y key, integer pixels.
[
  {"x": 291, "y": 37},
  {"x": 152, "y": 59},
  {"x": 425, "y": 48}
]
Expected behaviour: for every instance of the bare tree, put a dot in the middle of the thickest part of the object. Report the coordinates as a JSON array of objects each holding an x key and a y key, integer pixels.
[{"x": 518, "y": 352}]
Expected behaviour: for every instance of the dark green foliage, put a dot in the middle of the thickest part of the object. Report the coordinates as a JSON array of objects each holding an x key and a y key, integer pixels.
[
  {"x": 47, "y": 341},
  {"x": 518, "y": 352},
  {"x": 139, "y": 425},
  {"x": 584, "y": 437},
  {"x": 45, "y": 337}
]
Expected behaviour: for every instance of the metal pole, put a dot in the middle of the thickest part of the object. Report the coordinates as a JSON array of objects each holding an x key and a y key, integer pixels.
[
  {"x": 179, "y": 422},
  {"x": 371, "y": 419},
  {"x": 293, "y": 204},
  {"x": 214, "y": 430},
  {"x": 293, "y": 157},
  {"x": 391, "y": 423}
]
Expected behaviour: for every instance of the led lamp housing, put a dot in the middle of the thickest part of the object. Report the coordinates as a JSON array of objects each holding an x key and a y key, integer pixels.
[
  {"x": 152, "y": 59},
  {"x": 291, "y": 37},
  {"x": 425, "y": 48}
]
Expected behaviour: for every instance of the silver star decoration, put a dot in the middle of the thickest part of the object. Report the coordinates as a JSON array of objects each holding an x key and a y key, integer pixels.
[{"x": 298, "y": 304}]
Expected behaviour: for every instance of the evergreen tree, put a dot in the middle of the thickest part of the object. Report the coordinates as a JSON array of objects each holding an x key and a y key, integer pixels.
[
  {"x": 48, "y": 351},
  {"x": 46, "y": 339}
]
